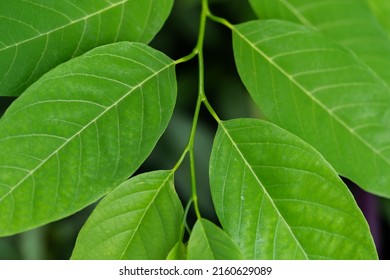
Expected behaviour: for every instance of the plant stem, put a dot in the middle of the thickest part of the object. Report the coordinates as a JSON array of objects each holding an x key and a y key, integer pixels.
[
  {"x": 192, "y": 158},
  {"x": 220, "y": 20},
  {"x": 199, "y": 44},
  {"x": 198, "y": 51},
  {"x": 201, "y": 97},
  {"x": 211, "y": 110}
]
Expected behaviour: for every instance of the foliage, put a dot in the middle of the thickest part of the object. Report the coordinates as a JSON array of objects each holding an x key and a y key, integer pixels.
[{"x": 94, "y": 99}]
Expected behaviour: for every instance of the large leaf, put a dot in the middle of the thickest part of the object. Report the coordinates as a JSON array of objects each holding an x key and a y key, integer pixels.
[
  {"x": 319, "y": 91},
  {"x": 81, "y": 130},
  {"x": 209, "y": 242},
  {"x": 37, "y": 35},
  {"x": 279, "y": 199},
  {"x": 141, "y": 219},
  {"x": 349, "y": 22}
]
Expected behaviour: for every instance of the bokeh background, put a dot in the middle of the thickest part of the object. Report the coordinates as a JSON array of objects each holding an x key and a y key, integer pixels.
[{"x": 230, "y": 100}]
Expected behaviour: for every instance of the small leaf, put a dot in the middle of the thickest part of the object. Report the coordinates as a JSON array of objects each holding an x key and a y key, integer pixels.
[
  {"x": 38, "y": 35},
  {"x": 209, "y": 242},
  {"x": 316, "y": 89},
  {"x": 80, "y": 131},
  {"x": 279, "y": 199},
  {"x": 349, "y": 22},
  {"x": 141, "y": 219},
  {"x": 178, "y": 252}
]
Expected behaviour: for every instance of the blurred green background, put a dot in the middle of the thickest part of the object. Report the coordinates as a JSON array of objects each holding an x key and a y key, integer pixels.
[{"x": 230, "y": 100}]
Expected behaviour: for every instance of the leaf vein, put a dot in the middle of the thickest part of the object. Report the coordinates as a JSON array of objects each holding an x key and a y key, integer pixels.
[{"x": 91, "y": 122}]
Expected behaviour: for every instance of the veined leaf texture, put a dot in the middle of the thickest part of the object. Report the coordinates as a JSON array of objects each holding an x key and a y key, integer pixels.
[
  {"x": 278, "y": 198},
  {"x": 80, "y": 131},
  {"x": 321, "y": 92},
  {"x": 140, "y": 219},
  {"x": 37, "y": 35},
  {"x": 95, "y": 99},
  {"x": 348, "y": 22},
  {"x": 209, "y": 242}
]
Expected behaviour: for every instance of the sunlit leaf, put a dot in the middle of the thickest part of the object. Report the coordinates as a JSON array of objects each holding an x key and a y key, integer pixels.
[
  {"x": 209, "y": 242},
  {"x": 320, "y": 92},
  {"x": 81, "y": 130},
  {"x": 37, "y": 35},
  {"x": 178, "y": 252},
  {"x": 279, "y": 199},
  {"x": 141, "y": 219},
  {"x": 349, "y": 22}
]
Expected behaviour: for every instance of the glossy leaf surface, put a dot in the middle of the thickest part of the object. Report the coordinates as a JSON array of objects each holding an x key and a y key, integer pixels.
[
  {"x": 38, "y": 35},
  {"x": 320, "y": 92},
  {"x": 80, "y": 131},
  {"x": 209, "y": 242},
  {"x": 349, "y": 22},
  {"x": 141, "y": 219},
  {"x": 279, "y": 199}
]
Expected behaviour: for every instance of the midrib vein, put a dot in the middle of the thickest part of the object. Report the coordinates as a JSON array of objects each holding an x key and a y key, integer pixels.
[
  {"x": 82, "y": 129},
  {"x": 146, "y": 210},
  {"x": 262, "y": 187},
  {"x": 315, "y": 100},
  {"x": 306, "y": 21},
  {"x": 64, "y": 26}
]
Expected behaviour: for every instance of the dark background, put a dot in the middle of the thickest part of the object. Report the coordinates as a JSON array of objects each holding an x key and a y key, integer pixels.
[{"x": 228, "y": 97}]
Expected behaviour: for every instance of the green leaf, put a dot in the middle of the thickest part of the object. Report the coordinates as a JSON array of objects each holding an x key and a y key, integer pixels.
[
  {"x": 349, "y": 22},
  {"x": 381, "y": 10},
  {"x": 178, "y": 252},
  {"x": 80, "y": 131},
  {"x": 141, "y": 219},
  {"x": 209, "y": 242},
  {"x": 320, "y": 92},
  {"x": 279, "y": 199},
  {"x": 38, "y": 35}
]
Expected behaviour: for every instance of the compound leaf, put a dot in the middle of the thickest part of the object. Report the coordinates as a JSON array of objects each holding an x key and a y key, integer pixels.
[
  {"x": 209, "y": 242},
  {"x": 349, "y": 22},
  {"x": 38, "y": 35},
  {"x": 279, "y": 199},
  {"x": 141, "y": 219},
  {"x": 80, "y": 131},
  {"x": 320, "y": 92}
]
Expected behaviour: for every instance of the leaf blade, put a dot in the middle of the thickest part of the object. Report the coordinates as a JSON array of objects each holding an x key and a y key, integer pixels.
[
  {"x": 350, "y": 23},
  {"x": 81, "y": 130},
  {"x": 178, "y": 252},
  {"x": 209, "y": 242},
  {"x": 324, "y": 101},
  {"x": 380, "y": 9},
  {"x": 141, "y": 219},
  {"x": 279, "y": 199},
  {"x": 47, "y": 34}
]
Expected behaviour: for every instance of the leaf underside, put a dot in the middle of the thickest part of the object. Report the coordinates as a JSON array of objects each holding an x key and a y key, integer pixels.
[
  {"x": 38, "y": 35},
  {"x": 209, "y": 242},
  {"x": 80, "y": 131},
  {"x": 279, "y": 199},
  {"x": 141, "y": 219},
  {"x": 319, "y": 91}
]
